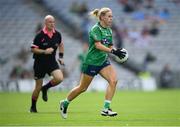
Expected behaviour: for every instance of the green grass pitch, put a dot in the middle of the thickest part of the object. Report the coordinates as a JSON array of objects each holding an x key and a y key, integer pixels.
[{"x": 135, "y": 108}]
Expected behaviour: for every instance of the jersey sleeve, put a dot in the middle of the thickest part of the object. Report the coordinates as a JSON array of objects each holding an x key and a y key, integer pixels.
[
  {"x": 36, "y": 42},
  {"x": 60, "y": 38},
  {"x": 96, "y": 34}
]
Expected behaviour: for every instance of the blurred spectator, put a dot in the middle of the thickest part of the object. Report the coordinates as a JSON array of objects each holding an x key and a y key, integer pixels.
[
  {"x": 149, "y": 4},
  {"x": 123, "y": 2},
  {"x": 22, "y": 55},
  {"x": 134, "y": 35},
  {"x": 83, "y": 9},
  {"x": 79, "y": 9},
  {"x": 154, "y": 29},
  {"x": 74, "y": 7},
  {"x": 145, "y": 38},
  {"x": 145, "y": 30},
  {"x": 176, "y": 2},
  {"x": 82, "y": 55},
  {"x": 166, "y": 77},
  {"x": 38, "y": 27},
  {"x": 16, "y": 71},
  {"x": 137, "y": 3},
  {"x": 26, "y": 74},
  {"x": 85, "y": 26},
  {"x": 3, "y": 61},
  {"x": 128, "y": 7},
  {"x": 123, "y": 27},
  {"x": 138, "y": 15},
  {"x": 148, "y": 59},
  {"x": 39, "y": 1},
  {"x": 164, "y": 14},
  {"x": 118, "y": 36},
  {"x": 142, "y": 39},
  {"x": 80, "y": 58},
  {"x": 161, "y": 15}
]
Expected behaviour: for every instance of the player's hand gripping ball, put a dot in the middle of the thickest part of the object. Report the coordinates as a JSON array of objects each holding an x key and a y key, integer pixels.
[{"x": 121, "y": 55}]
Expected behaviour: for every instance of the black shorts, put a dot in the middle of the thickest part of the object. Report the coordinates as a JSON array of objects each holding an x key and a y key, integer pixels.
[
  {"x": 41, "y": 68},
  {"x": 93, "y": 70}
]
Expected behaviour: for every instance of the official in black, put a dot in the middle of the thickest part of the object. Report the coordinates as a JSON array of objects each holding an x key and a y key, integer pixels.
[{"x": 44, "y": 47}]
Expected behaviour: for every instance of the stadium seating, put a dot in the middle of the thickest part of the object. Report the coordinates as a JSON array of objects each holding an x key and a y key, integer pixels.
[
  {"x": 17, "y": 31},
  {"x": 20, "y": 20},
  {"x": 165, "y": 46}
]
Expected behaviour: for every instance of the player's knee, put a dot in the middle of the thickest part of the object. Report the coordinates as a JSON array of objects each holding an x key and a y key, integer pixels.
[
  {"x": 82, "y": 89},
  {"x": 58, "y": 79},
  {"x": 113, "y": 82}
]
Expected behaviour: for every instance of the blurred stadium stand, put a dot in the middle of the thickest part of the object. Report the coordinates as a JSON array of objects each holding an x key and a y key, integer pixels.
[
  {"x": 18, "y": 23},
  {"x": 20, "y": 19}
]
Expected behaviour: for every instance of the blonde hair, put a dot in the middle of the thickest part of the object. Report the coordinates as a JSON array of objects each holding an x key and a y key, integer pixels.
[{"x": 99, "y": 12}]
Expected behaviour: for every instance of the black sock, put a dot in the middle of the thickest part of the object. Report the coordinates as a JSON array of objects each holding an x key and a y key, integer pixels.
[
  {"x": 33, "y": 102},
  {"x": 48, "y": 85}
]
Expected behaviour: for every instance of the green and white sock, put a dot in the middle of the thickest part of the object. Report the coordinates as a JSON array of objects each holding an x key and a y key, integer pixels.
[
  {"x": 66, "y": 102},
  {"x": 107, "y": 104}
]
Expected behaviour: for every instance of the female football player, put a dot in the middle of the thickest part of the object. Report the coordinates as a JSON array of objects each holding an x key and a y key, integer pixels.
[{"x": 96, "y": 62}]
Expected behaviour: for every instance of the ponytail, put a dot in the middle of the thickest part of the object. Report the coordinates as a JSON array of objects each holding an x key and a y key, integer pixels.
[
  {"x": 95, "y": 13},
  {"x": 99, "y": 12}
]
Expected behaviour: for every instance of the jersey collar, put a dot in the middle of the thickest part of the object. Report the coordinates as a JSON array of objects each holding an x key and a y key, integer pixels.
[
  {"x": 101, "y": 26},
  {"x": 49, "y": 33}
]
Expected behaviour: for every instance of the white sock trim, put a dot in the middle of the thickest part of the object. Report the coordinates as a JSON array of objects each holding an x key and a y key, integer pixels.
[
  {"x": 108, "y": 101},
  {"x": 67, "y": 100}
]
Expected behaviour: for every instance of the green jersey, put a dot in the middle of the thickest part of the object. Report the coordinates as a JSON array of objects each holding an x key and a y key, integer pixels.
[{"x": 98, "y": 34}]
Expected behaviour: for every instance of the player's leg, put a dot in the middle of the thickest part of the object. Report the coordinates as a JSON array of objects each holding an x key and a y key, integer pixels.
[
  {"x": 82, "y": 87},
  {"x": 35, "y": 94},
  {"x": 110, "y": 75},
  {"x": 38, "y": 76},
  {"x": 57, "y": 78}
]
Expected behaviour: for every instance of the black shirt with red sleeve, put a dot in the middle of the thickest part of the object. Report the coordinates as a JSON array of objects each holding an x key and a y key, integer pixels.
[{"x": 43, "y": 41}]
